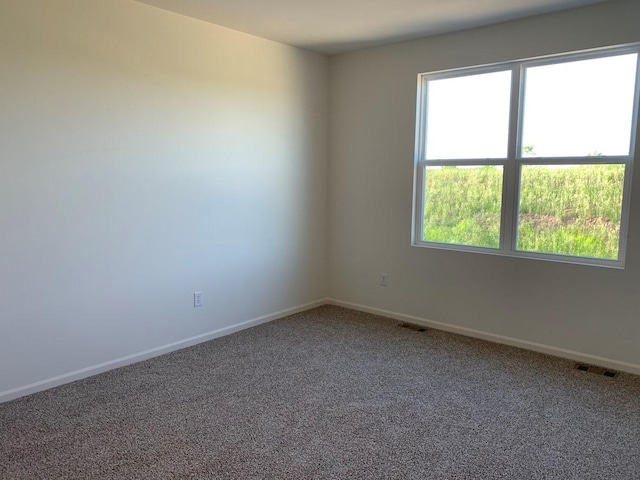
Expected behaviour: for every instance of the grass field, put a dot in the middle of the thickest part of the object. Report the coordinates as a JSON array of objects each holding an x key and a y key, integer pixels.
[{"x": 571, "y": 211}]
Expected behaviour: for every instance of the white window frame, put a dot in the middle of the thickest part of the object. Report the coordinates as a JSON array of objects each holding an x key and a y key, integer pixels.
[{"x": 513, "y": 163}]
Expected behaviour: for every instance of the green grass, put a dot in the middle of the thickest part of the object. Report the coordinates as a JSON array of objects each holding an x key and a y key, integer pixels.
[
  {"x": 571, "y": 211},
  {"x": 462, "y": 205}
]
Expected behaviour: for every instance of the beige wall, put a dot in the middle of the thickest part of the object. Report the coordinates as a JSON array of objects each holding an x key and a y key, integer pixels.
[
  {"x": 589, "y": 310},
  {"x": 143, "y": 156}
]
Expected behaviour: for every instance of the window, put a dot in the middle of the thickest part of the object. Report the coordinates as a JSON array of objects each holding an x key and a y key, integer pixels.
[{"x": 530, "y": 158}]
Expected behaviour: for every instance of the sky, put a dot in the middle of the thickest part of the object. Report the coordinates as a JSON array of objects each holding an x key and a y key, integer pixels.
[{"x": 571, "y": 109}]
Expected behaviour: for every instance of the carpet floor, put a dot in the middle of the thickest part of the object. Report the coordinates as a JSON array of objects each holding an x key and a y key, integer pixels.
[{"x": 331, "y": 393}]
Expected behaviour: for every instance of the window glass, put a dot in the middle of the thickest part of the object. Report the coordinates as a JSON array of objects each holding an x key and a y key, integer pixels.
[
  {"x": 468, "y": 116},
  {"x": 579, "y": 108},
  {"x": 571, "y": 209},
  {"x": 463, "y": 205}
]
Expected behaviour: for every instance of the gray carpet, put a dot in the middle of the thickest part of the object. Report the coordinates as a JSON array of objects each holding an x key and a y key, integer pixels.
[{"x": 331, "y": 393}]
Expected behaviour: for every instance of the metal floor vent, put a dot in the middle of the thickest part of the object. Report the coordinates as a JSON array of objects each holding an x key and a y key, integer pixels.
[
  {"x": 411, "y": 326},
  {"x": 583, "y": 367}
]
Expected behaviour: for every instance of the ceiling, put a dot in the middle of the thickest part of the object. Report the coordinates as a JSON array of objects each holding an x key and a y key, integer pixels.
[{"x": 337, "y": 26}]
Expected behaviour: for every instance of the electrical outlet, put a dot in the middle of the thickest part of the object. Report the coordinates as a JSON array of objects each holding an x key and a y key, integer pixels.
[
  {"x": 197, "y": 299},
  {"x": 384, "y": 279}
]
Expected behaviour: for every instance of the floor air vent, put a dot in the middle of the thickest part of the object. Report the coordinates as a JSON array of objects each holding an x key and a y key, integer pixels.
[
  {"x": 411, "y": 326},
  {"x": 583, "y": 367}
]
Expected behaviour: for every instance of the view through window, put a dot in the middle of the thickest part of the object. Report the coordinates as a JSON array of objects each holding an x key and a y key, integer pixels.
[{"x": 529, "y": 158}]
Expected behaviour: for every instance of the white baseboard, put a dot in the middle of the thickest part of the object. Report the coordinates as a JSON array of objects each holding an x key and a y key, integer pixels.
[
  {"x": 154, "y": 352},
  {"x": 492, "y": 337}
]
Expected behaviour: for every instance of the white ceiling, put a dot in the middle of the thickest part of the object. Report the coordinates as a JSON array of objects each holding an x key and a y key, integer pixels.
[{"x": 336, "y": 26}]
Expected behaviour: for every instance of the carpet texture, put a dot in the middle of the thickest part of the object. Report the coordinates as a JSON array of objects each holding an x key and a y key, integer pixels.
[{"x": 331, "y": 393}]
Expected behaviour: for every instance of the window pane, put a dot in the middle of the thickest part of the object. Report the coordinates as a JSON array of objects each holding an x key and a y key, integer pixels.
[
  {"x": 462, "y": 205},
  {"x": 468, "y": 117},
  {"x": 579, "y": 109},
  {"x": 571, "y": 210}
]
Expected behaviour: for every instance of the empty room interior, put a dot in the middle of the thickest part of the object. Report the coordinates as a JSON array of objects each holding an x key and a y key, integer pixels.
[{"x": 298, "y": 239}]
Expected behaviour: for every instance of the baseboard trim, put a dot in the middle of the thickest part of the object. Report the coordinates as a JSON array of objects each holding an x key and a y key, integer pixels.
[
  {"x": 492, "y": 337},
  {"x": 147, "y": 354},
  {"x": 46, "y": 384}
]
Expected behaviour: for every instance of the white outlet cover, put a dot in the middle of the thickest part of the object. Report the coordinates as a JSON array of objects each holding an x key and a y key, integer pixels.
[{"x": 197, "y": 299}]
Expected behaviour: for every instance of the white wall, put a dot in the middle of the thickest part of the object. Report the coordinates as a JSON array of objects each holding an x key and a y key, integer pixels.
[
  {"x": 143, "y": 156},
  {"x": 588, "y": 310}
]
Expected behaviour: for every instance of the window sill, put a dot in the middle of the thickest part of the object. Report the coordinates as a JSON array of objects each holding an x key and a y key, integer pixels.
[{"x": 545, "y": 257}]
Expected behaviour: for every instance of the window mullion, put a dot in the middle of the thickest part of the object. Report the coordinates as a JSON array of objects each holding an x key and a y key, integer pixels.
[{"x": 511, "y": 174}]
